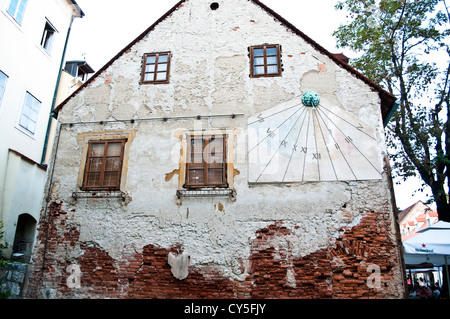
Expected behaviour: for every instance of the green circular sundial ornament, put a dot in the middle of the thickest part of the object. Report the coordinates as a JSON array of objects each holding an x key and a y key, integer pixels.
[{"x": 310, "y": 98}]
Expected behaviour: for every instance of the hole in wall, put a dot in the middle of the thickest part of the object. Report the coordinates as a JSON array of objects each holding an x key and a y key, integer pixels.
[{"x": 214, "y": 6}]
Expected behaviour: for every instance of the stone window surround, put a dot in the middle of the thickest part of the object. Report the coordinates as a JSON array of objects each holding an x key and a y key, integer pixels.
[
  {"x": 205, "y": 166},
  {"x": 83, "y": 142},
  {"x": 231, "y": 135},
  {"x": 100, "y": 184}
]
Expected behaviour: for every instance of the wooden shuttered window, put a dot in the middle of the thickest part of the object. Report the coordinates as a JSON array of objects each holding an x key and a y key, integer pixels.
[
  {"x": 206, "y": 161},
  {"x": 265, "y": 61},
  {"x": 104, "y": 165}
]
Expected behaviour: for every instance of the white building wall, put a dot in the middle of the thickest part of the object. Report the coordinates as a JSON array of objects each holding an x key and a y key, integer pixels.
[{"x": 30, "y": 68}]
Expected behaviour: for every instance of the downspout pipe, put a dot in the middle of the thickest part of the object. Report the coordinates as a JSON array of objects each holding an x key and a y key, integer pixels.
[
  {"x": 55, "y": 93},
  {"x": 394, "y": 109}
]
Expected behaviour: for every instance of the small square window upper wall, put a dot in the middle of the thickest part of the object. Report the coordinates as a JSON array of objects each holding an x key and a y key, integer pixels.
[
  {"x": 265, "y": 61},
  {"x": 156, "y": 68},
  {"x": 16, "y": 9}
]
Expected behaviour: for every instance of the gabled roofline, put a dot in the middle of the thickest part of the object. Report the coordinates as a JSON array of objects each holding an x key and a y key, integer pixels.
[
  {"x": 387, "y": 99},
  {"x": 117, "y": 56}
]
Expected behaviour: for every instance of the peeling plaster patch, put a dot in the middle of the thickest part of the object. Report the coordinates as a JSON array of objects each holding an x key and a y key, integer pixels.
[
  {"x": 229, "y": 82},
  {"x": 290, "y": 277},
  {"x": 170, "y": 175},
  {"x": 218, "y": 207},
  {"x": 108, "y": 78},
  {"x": 324, "y": 83},
  {"x": 271, "y": 262},
  {"x": 322, "y": 67},
  {"x": 179, "y": 265},
  {"x": 270, "y": 95}
]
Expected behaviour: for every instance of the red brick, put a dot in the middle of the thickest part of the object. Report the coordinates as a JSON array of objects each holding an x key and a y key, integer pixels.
[{"x": 147, "y": 274}]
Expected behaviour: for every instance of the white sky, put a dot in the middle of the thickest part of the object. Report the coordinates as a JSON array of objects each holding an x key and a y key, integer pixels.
[{"x": 110, "y": 25}]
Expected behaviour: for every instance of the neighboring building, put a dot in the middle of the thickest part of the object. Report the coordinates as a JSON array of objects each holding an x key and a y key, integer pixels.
[
  {"x": 73, "y": 76},
  {"x": 33, "y": 36},
  {"x": 221, "y": 154},
  {"x": 415, "y": 218}
]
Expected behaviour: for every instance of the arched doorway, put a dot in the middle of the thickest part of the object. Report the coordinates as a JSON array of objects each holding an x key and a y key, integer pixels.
[{"x": 24, "y": 238}]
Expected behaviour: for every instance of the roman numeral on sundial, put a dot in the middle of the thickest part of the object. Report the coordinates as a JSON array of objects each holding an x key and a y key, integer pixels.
[{"x": 296, "y": 137}]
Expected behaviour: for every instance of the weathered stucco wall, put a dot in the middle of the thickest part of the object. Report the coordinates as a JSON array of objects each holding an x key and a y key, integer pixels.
[{"x": 302, "y": 240}]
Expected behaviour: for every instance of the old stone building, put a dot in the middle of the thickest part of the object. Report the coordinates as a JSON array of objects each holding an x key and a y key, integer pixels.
[{"x": 221, "y": 154}]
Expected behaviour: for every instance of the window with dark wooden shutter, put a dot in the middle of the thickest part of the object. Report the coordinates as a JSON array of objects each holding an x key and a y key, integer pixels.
[
  {"x": 104, "y": 165},
  {"x": 206, "y": 161}
]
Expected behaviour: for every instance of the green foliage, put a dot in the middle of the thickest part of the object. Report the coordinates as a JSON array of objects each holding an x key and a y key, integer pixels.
[
  {"x": 404, "y": 46},
  {"x": 5, "y": 295}
]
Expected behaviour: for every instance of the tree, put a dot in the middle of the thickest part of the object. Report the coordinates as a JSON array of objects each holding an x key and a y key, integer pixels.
[{"x": 404, "y": 46}]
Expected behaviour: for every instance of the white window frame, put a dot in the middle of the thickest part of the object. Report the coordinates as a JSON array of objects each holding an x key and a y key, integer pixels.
[
  {"x": 29, "y": 114},
  {"x": 19, "y": 10},
  {"x": 3, "y": 81},
  {"x": 48, "y": 36}
]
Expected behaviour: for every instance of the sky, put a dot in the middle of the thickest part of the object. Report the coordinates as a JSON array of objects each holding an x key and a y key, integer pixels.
[{"x": 110, "y": 25}]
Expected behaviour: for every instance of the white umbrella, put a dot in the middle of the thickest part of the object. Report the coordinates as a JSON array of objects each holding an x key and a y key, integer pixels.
[
  {"x": 432, "y": 245},
  {"x": 434, "y": 240}
]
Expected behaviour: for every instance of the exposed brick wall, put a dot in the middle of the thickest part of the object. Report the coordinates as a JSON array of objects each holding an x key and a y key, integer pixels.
[
  {"x": 341, "y": 270},
  {"x": 354, "y": 252},
  {"x": 54, "y": 240}
]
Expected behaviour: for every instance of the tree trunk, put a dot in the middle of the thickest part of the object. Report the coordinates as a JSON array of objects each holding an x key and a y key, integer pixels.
[{"x": 443, "y": 207}]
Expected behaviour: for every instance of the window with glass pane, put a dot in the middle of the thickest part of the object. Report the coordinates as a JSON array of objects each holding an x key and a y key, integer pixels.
[
  {"x": 16, "y": 9},
  {"x": 47, "y": 37},
  {"x": 155, "y": 68},
  {"x": 104, "y": 165},
  {"x": 206, "y": 161},
  {"x": 30, "y": 113},
  {"x": 265, "y": 61},
  {"x": 3, "y": 79}
]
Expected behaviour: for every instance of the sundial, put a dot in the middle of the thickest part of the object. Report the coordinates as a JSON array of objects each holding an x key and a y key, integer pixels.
[{"x": 311, "y": 139}]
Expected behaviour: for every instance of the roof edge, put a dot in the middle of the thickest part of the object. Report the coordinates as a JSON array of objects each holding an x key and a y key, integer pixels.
[
  {"x": 118, "y": 55},
  {"x": 387, "y": 99}
]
